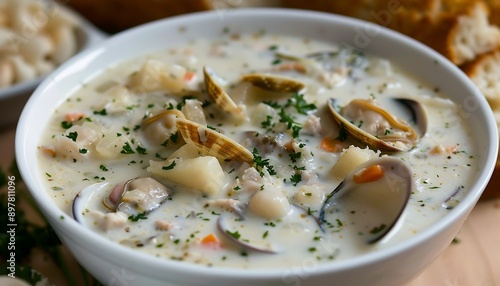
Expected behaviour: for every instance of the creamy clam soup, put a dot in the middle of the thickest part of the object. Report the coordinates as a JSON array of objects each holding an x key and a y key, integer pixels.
[{"x": 225, "y": 152}]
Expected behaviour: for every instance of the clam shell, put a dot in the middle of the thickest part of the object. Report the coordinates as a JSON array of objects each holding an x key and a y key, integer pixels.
[
  {"x": 388, "y": 193},
  {"x": 211, "y": 143},
  {"x": 219, "y": 95},
  {"x": 166, "y": 116},
  {"x": 386, "y": 143},
  {"x": 275, "y": 83}
]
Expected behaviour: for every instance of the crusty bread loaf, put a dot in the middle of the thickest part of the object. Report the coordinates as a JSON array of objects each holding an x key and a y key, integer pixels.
[
  {"x": 117, "y": 15},
  {"x": 485, "y": 73},
  {"x": 458, "y": 29}
]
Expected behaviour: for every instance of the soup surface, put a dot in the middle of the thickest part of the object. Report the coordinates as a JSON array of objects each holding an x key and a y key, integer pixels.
[{"x": 223, "y": 152}]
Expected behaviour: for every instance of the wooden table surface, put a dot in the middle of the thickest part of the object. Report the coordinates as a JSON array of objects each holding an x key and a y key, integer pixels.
[{"x": 473, "y": 261}]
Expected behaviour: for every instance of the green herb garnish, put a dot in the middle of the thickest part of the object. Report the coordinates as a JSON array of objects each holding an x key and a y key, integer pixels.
[{"x": 126, "y": 149}]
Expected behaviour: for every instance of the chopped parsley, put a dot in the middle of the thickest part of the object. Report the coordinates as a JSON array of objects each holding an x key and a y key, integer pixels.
[
  {"x": 276, "y": 62},
  {"x": 138, "y": 217},
  {"x": 268, "y": 123},
  {"x": 294, "y": 156},
  {"x": 295, "y": 179},
  {"x": 300, "y": 104},
  {"x": 141, "y": 150},
  {"x": 102, "y": 112},
  {"x": 66, "y": 124},
  {"x": 72, "y": 135},
  {"x": 260, "y": 163},
  {"x": 378, "y": 229},
  {"x": 169, "y": 167},
  {"x": 290, "y": 123},
  {"x": 273, "y": 47},
  {"x": 342, "y": 133},
  {"x": 103, "y": 168},
  {"x": 126, "y": 149},
  {"x": 235, "y": 234},
  {"x": 83, "y": 151}
]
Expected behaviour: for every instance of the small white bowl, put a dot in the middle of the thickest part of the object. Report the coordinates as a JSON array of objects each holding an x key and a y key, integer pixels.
[
  {"x": 13, "y": 98},
  {"x": 114, "y": 264}
]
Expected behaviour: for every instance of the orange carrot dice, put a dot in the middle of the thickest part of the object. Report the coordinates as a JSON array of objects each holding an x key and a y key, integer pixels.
[
  {"x": 75, "y": 116},
  {"x": 370, "y": 174},
  {"x": 331, "y": 145}
]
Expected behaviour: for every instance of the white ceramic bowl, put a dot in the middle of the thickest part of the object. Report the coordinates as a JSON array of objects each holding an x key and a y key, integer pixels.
[
  {"x": 13, "y": 98},
  {"x": 113, "y": 264}
]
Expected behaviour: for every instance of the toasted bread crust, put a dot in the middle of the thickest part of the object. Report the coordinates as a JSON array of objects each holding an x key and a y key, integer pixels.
[
  {"x": 458, "y": 29},
  {"x": 117, "y": 15}
]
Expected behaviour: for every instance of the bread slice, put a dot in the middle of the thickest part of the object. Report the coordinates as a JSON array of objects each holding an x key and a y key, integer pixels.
[
  {"x": 458, "y": 29},
  {"x": 117, "y": 15},
  {"x": 484, "y": 71}
]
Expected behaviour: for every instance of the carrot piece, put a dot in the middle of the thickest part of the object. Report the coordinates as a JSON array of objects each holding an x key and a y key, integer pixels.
[
  {"x": 439, "y": 149},
  {"x": 189, "y": 76},
  {"x": 72, "y": 117},
  {"x": 370, "y": 174},
  {"x": 210, "y": 239},
  {"x": 331, "y": 145},
  {"x": 48, "y": 151},
  {"x": 451, "y": 149}
]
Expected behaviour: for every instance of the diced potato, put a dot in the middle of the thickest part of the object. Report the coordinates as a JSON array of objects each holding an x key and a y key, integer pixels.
[
  {"x": 110, "y": 145},
  {"x": 116, "y": 99},
  {"x": 310, "y": 196},
  {"x": 269, "y": 203},
  {"x": 77, "y": 142},
  {"x": 261, "y": 112},
  {"x": 350, "y": 158},
  {"x": 186, "y": 151},
  {"x": 201, "y": 174}
]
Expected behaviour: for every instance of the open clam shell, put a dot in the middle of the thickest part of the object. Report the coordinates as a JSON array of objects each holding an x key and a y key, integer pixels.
[
  {"x": 81, "y": 199},
  {"x": 274, "y": 83},
  {"x": 165, "y": 117},
  {"x": 211, "y": 143},
  {"x": 393, "y": 134},
  {"x": 381, "y": 188},
  {"x": 230, "y": 226},
  {"x": 219, "y": 95}
]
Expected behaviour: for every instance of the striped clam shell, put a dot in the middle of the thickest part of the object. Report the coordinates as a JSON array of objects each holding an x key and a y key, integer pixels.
[
  {"x": 219, "y": 95},
  {"x": 167, "y": 117},
  {"x": 211, "y": 143},
  {"x": 274, "y": 83}
]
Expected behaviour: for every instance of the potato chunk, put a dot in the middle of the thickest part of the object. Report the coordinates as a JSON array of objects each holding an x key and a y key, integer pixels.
[
  {"x": 350, "y": 158},
  {"x": 269, "y": 203},
  {"x": 201, "y": 174}
]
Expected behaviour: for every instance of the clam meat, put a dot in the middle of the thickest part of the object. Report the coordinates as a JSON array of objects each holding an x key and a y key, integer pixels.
[
  {"x": 161, "y": 126},
  {"x": 135, "y": 196}
]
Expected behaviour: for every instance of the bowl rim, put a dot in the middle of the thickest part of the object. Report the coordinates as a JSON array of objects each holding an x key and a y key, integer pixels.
[{"x": 121, "y": 252}]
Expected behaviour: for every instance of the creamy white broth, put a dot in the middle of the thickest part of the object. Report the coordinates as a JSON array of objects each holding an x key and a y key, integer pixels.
[{"x": 112, "y": 124}]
